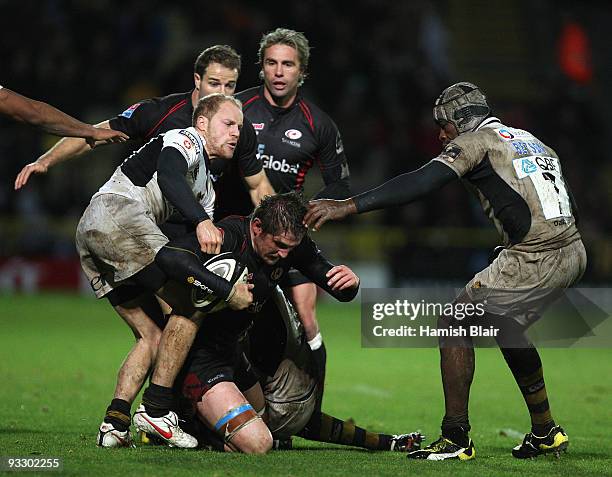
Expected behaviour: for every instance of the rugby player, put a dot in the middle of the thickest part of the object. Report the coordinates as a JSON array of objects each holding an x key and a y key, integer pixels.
[
  {"x": 520, "y": 184},
  {"x": 216, "y": 70},
  {"x": 285, "y": 366},
  {"x": 52, "y": 120},
  {"x": 118, "y": 236},
  {"x": 269, "y": 243},
  {"x": 293, "y": 134},
  {"x": 290, "y": 374}
]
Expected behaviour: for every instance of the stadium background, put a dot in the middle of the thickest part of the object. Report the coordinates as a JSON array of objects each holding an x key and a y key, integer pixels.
[{"x": 376, "y": 68}]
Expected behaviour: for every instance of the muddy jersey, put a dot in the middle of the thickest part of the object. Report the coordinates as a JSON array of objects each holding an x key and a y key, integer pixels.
[
  {"x": 519, "y": 182},
  {"x": 150, "y": 117},
  {"x": 290, "y": 141},
  {"x": 136, "y": 177}
]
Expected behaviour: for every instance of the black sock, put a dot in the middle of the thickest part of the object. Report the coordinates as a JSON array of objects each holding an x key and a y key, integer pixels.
[
  {"x": 157, "y": 400},
  {"x": 526, "y": 366},
  {"x": 118, "y": 414},
  {"x": 456, "y": 429},
  {"x": 325, "y": 428}
]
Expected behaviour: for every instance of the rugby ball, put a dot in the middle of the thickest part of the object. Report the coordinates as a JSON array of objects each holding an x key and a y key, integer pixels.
[{"x": 227, "y": 267}]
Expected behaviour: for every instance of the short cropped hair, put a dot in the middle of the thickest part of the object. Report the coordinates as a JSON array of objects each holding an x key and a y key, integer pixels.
[
  {"x": 210, "y": 104},
  {"x": 223, "y": 54},
  {"x": 282, "y": 213},
  {"x": 292, "y": 38}
]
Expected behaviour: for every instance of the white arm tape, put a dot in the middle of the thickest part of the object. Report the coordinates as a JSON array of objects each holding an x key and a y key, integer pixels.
[{"x": 316, "y": 342}]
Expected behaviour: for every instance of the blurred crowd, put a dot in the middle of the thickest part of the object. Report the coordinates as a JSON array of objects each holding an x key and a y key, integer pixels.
[{"x": 376, "y": 68}]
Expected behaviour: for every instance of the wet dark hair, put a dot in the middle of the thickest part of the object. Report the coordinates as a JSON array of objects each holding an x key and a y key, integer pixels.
[{"x": 282, "y": 213}]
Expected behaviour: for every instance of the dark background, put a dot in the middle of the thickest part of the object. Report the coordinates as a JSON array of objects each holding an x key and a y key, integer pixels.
[{"x": 376, "y": 68}]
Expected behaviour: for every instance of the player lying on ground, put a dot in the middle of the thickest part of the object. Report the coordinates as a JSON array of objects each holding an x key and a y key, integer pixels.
[
  {"x": 269, "y": 243},
  {"x": 53, "y": 120},
  {"x": 520, "y": 184},
  {"x": 289, "y": 372}
]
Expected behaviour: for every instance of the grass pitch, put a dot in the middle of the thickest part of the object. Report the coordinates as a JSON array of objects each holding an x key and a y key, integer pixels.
[{"x": 59, "y": 355}]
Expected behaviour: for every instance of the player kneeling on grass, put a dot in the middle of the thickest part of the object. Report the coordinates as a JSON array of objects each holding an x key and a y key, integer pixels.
[
  {"x": 269, "y": 242},
  {"x": 289, "y": 370}
]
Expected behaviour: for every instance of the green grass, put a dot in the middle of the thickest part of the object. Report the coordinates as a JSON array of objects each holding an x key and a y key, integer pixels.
[{"x": 59, "y": 355}]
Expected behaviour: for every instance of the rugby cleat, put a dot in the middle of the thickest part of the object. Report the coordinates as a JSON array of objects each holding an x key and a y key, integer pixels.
[
  {"x": 444, "y": 449},
  {"x": 406, "y": 442},
  {"x": 109, "y": 437},
  {"x": 552, "y": 443},
  {"x": 166, "y": 427}
]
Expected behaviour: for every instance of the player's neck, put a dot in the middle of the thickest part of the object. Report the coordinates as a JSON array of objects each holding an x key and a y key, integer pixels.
[
  {"x": 282, "y": 101},
  {"x": 195, "y": 96}
]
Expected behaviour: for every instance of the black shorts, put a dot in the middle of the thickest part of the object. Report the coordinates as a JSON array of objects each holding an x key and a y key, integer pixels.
[
  {"x": 294, "y": 278},
  {"x": 208, "y": 366}
]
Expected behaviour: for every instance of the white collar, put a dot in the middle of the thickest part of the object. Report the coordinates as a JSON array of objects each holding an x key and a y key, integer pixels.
[{"x": 487, "y": 122}]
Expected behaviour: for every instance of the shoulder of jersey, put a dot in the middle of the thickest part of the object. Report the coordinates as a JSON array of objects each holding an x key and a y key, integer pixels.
[
  {"x": 185, "y": 138},
  {"x": 247, "y": 95},
  {"x": 315, "y": 114}
]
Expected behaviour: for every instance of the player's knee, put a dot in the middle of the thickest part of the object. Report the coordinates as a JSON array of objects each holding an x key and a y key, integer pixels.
[
  {"x": 150, "y": 337},
  {"x": 243, "y": 430},
  {"x": 259, "y": 440}
]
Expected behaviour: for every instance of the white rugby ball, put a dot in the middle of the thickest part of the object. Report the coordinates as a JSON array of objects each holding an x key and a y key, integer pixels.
[{"x": 227, "y": 267}]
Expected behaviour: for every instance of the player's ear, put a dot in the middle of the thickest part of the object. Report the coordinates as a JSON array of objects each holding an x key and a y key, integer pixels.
[
  {"x": 202, "y": 123},
  {"x": 197, "y": 79},
  {"x": 256, "y": 226}
]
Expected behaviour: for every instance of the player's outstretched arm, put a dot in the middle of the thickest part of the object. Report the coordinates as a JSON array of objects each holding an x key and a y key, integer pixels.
[
  {"x": 323, "y": 210},
  {"x": 51, "y": 119},
  {"x": 400, "y": 190},
  {"x": 65, "y": 149}
]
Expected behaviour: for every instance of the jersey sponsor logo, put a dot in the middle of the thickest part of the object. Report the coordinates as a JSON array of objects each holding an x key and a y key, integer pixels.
[
  {"x": 546, "y": 163},
  {"x": 528, "y": 167},
  {"x": 129, "y": 111},
  {"x": 279, "y": 166},
  {"x": 290, "y": 142},
  {"x": 339, "y": 145},
  {"x": 523, "y": 148},
  {"x": 508, "y": 134},
  {"x": 450, "y": 153},
  {"x": 192, "y": 139},
  {"x": 258, "y": 126},
  {"x": 293, "y": 134}
]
